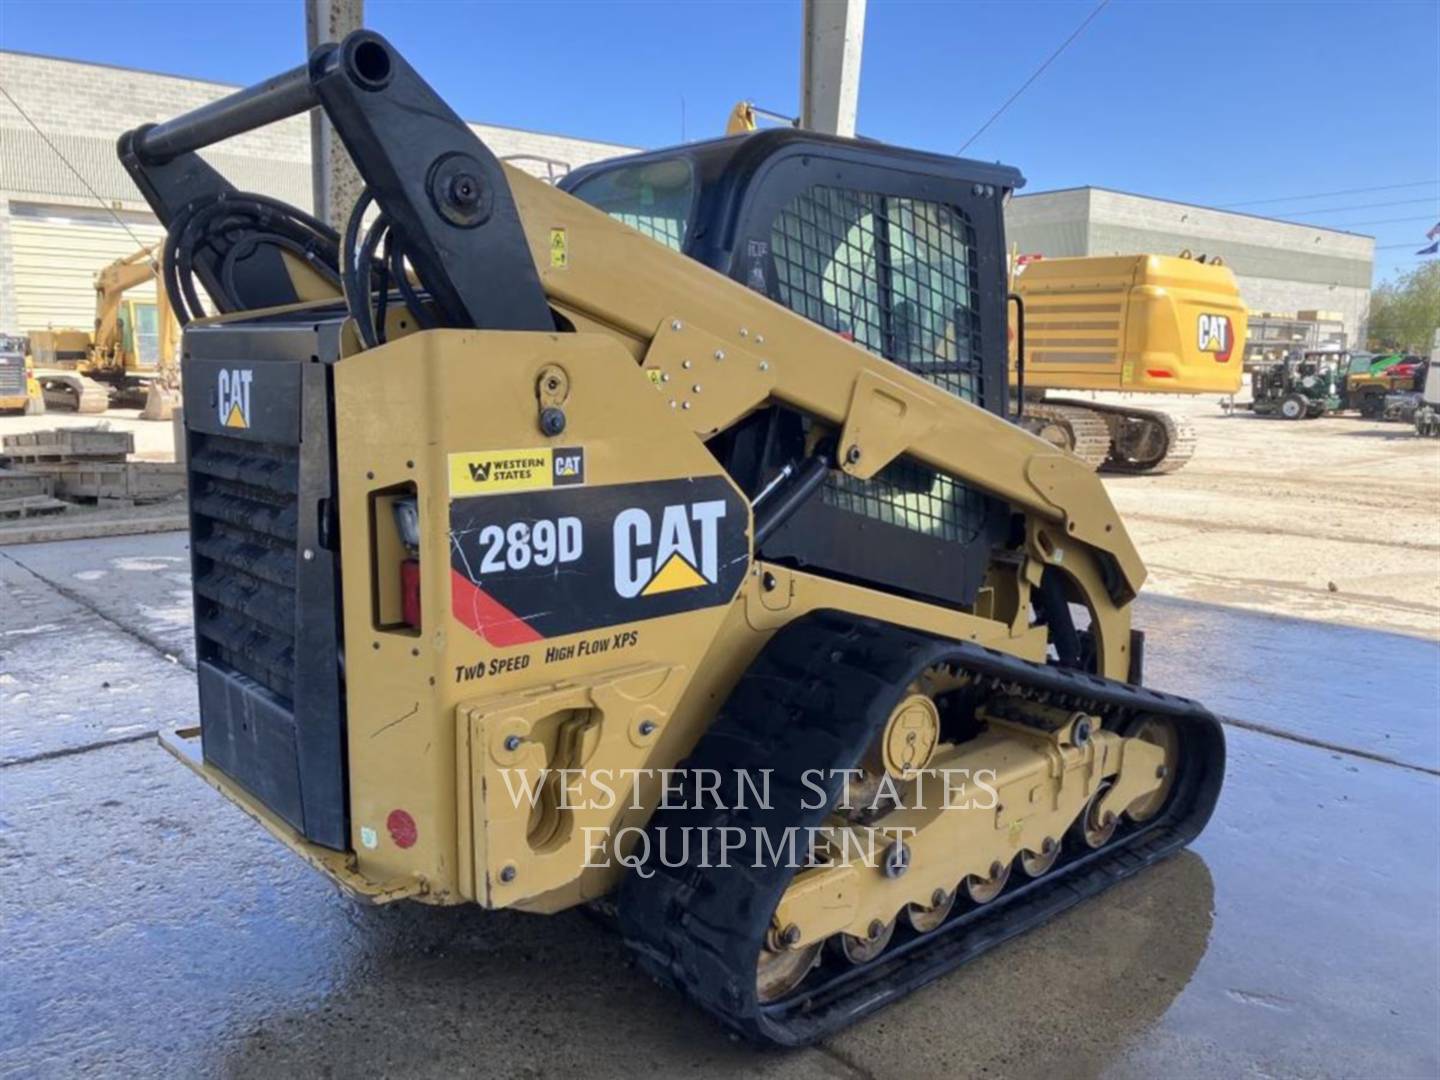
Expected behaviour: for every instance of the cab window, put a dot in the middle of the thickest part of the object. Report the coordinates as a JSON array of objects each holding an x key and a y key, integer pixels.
[
  {"x": 655, "y": 198},
  {"x": 895, "y": 275}
]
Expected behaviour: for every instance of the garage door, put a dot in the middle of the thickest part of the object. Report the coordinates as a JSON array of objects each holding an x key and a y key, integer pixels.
[{"x": 57, "y": 251}]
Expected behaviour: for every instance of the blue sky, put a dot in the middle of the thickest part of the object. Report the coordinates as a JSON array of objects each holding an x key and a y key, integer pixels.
[{"x": 1213, "y": 103}]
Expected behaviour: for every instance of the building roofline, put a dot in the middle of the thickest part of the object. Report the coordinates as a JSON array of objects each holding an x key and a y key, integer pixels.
[
  {"x": 1193, "y": 206},
  {"x": 236, "y": 86}
]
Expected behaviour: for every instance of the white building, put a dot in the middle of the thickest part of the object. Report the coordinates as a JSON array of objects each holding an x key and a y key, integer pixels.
[
  {"x": 1280, "y": 266},
  {"x": 54, "y": 231}
]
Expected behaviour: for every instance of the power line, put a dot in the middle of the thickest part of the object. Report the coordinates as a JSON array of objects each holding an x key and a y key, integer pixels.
[
  {"x": 1038, "y": 72},
  {"x": 78, "y": 175},
  {"x": 1363, "y": 206},
  {"x": 1384, "y": 221},
  {"x": 1327, "y": 194}
]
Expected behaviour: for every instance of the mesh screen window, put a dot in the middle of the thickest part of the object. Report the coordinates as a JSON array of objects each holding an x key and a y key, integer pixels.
[{"x": 897, "y": 276}]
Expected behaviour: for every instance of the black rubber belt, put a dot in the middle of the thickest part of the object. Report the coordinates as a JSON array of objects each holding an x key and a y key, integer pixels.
[{"x": 814, "y": 699}]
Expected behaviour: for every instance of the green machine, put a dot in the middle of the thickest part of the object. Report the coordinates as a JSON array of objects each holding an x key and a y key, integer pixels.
[{"x": 1302, "y": 386}]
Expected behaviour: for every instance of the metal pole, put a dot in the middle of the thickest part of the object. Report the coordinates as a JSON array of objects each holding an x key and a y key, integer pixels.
[
  {"x": 830, "y": 67},
  {"x": 335, "y": 183}
]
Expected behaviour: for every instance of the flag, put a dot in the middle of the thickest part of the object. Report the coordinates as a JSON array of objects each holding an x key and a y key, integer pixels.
[
  {"x": 1434, "y": 234},
  {"x": 1431, "y": 250}
]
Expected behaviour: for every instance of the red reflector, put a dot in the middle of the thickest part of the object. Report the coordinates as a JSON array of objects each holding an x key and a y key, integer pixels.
[
  {"x": 402, "y": 828},
  {"x": 1156, "y": 374},
  {"x": 848, "y": 335},
  {"x": 410, "y": 592}
]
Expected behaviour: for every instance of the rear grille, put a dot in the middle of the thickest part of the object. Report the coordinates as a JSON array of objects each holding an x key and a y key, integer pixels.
[
  {"x": 12, "y": 376},
  {"x": 243, "y": 498}
]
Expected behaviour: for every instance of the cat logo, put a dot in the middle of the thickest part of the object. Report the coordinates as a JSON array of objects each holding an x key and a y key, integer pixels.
[
  {"x": 232, "y": 397},
  {"x": 681, "y": 553},
  {"x": 1215, "y": 336},
  {"x": 569, "y": 466}
]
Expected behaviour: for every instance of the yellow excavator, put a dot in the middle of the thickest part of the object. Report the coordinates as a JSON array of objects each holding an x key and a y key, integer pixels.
[
  {"x": 1142, "y": 324},
  {"x": 85, "y": 370},
  {"x": 1146, "y": 324},
  {"x": 657, "y": 541}
]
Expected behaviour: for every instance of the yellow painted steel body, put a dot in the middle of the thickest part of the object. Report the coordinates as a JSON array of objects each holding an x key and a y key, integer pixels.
[
  {"x": 446, "y": 727},
  {"x": 1140, "y": 323}
]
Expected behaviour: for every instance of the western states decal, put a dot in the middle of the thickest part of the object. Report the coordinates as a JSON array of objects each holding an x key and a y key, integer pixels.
[
  {"x": 530, "y": 565},
  {"x": 487, "y": 472}
]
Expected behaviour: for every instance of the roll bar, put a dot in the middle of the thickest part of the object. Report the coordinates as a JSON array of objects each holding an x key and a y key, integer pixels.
[
  {"x": 245, "y": 110},
  {"x": 443, "y": 193}
]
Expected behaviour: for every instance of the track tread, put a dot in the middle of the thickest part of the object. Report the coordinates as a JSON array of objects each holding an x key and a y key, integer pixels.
[
  {"x": 812, "y": 700},
  {"x": 1089, "y": 435},
  {"x": 1179, "y": 434}
]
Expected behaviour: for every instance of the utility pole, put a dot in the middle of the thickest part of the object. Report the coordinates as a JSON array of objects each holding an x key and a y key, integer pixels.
[
  {"x": 830, "y": 66},
  {"x": 335, "y": 182}
]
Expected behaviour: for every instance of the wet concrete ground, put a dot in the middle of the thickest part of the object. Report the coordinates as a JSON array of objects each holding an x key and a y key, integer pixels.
[{"x": 148, "y": 926}]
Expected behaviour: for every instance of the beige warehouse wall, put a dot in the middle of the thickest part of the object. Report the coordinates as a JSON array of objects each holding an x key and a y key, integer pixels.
[
  {"x": 1280, "y": 266},
  {"x": 57, "y": 251},
  {"x": 82, "y": 109}
]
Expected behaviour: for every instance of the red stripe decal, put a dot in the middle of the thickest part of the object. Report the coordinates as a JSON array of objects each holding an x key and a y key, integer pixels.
[{"x": 489, "y": 618}]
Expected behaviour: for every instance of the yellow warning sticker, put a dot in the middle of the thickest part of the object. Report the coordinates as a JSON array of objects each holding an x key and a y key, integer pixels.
[
  {"x": 559, "y": 250},
  {"x": 490, "y": 472},
  {"x": 653, "y": 374}
]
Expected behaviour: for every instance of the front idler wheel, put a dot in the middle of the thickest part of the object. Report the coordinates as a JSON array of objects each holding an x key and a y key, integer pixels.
[{"x": 780, "y": 969}]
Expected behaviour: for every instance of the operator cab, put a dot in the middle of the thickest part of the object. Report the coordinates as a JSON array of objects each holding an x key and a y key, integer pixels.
[{"x": 899, "y": 251}]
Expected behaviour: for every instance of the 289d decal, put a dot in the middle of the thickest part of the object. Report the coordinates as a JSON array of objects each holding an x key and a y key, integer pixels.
[{"x": 533, "y": 565}]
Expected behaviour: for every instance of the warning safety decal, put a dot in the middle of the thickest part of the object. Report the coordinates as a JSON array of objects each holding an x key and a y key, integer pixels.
[{"x": 540, "y": 564}]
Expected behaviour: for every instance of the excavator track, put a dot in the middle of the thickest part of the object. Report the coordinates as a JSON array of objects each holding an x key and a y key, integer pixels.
[
  {"x": 75, "y": 392},
  {"x": 813, "y": 700},
  {"x": 1143, "y": 441},
  {"x": 1085, "y": 435}
]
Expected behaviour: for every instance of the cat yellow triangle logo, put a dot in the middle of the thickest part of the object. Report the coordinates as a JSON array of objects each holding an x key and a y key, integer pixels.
[
  {"x": 236, "y": 417},
  {"x": 675, "y": 575}
]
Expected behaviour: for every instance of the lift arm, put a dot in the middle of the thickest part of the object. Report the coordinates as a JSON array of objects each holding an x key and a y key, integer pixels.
[{"x": 498, "y": 249}]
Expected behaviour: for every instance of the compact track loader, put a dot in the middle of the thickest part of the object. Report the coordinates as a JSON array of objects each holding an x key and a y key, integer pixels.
[{"x": 539, "y": 561}]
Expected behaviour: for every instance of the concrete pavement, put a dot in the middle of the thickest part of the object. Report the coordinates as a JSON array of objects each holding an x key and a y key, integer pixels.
[{"x": 148, "y": 926}]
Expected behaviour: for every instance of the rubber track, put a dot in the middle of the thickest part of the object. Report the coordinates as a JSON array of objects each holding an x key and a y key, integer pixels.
[
  {"x": 813, "y": 699},
  {"x": 1089, "y": 434},
  {"x": 1179, "y": 436}
]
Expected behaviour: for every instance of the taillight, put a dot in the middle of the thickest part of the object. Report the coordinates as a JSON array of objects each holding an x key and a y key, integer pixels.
[{"x": 410, "y": 592}]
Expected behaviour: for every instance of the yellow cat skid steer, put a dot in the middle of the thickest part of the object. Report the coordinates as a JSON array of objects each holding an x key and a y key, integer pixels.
[{"x": 527, "y": 546}]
